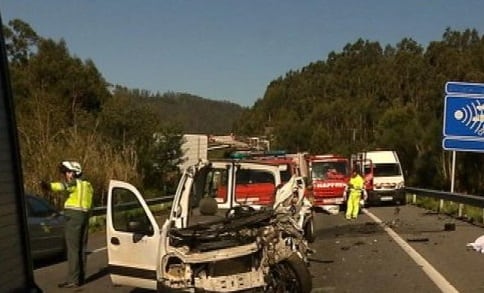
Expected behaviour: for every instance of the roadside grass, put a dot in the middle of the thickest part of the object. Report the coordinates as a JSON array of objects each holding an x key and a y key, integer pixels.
[{"x": 469, "y": 213}]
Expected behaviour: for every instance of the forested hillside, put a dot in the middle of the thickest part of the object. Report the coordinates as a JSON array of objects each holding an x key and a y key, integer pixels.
[
  {"x": 195, "y": 114},
  {"x": 366, "y": 96},
  {"x": 65, "y": 109},
  {"x": 369, "y": 96}
]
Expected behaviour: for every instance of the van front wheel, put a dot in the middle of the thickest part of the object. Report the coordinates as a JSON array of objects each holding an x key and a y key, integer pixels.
[
  {"x": 309, "y": 231},
  {"x": 290, "y": 275}
]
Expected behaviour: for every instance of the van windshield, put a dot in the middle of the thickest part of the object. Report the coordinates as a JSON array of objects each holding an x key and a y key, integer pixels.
[{"x": 386, "y": 170}]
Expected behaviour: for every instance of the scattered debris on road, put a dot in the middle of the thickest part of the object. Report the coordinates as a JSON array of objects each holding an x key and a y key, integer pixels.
[
  {"x": 418, "y": 239},
  {"x": 449, "y": 227}
]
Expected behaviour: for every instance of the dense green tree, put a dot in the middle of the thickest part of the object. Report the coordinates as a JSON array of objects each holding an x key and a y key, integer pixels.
[
  {"x": 65, "y": 110},
  {"x": 20, "y": 40},
  {"x": 161, "y": 165},
  {"x": 368, "y": 96}
]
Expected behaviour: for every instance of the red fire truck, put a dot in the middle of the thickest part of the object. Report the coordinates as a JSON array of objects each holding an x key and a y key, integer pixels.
[
  {"x": 256, "y": 183},
  {"x": 328, "y": 176},
  {"x": 257, "y": 179}
]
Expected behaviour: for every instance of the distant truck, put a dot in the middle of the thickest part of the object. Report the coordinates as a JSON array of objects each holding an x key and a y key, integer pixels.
[
  {"x": 194, "y": 148},
  {"x": 300, "y": 159},
  {"x": 384, "y": 180},
  {"x": 328, "y": 176}
]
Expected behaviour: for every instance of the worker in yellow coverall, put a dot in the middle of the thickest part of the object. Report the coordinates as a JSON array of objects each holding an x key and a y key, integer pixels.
[{"x": 353, "y": 193}]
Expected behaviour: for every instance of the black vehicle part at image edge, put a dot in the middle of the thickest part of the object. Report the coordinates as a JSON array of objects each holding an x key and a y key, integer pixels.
[{"x": 16, "y": 271}]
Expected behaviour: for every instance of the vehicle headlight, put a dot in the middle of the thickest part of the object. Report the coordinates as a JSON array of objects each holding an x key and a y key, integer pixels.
[{"x": 400, "y": 184}]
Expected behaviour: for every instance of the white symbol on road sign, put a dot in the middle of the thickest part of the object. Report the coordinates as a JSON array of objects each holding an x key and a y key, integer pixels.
[
  {"x": 480, "y": 132},
  {"x": 472, "y": 116}
]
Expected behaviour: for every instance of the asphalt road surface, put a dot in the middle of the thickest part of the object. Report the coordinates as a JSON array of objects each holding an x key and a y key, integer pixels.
[{"x": 387, "y": 249}]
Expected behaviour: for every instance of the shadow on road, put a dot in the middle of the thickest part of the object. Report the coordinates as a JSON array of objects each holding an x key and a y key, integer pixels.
[
  {"x": 48, "y": 261},
  {"x": 351, "y": 229},
  {"x": 325, "y": 261},
  {"x": 101, "y": 273}
]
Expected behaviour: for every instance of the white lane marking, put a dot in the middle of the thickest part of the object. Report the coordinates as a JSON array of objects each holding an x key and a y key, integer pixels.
[
  {"x": 431, "y": 272},
  {"x": 98, "y": 249}
]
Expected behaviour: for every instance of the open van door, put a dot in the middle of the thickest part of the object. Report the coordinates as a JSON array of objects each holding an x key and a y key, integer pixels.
[{"x": 133, "y": 237}]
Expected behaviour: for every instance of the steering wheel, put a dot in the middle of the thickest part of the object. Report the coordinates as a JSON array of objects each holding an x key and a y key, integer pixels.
[{"x": 239, "y": 210}]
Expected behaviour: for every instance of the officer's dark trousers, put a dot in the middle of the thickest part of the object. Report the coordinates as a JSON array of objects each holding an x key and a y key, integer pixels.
[{"x": 76, "y": 231}]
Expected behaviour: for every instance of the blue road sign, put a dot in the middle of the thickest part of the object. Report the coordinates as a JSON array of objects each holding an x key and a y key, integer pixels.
[
  {"x": 459, "y": 144},
  {"x": 454, "y": 87},
  {"x": 464, "y": 116}
]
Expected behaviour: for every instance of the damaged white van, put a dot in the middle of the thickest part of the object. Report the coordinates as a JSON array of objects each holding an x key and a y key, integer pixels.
[{"x": 204, "y": 243}]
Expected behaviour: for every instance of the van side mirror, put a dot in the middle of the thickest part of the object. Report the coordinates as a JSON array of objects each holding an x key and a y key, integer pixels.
[
  {"x": 177, "y": 212},
  {"x": 135, "y": 227},
  {"x": 137, "y": 237},
  {"x": 139, "y": 230}
]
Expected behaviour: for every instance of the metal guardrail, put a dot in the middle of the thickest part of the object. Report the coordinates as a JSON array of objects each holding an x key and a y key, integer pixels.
[
  {"x": 473, "y": 200},
  {"x": 98, "y": 211},
  {"x": 443, "y": 196}
]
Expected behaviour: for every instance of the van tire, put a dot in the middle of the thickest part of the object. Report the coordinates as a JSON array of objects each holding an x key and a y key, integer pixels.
[
  {"x": 281, "y": 275},
  {"x": 401, "y": 200},
  {"x": 309, "y": 231}
]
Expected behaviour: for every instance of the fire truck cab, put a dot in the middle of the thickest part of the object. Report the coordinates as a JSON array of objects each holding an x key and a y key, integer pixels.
[
  {"x": 259, "y": 175},
  {"x": 328, "y": 176}
]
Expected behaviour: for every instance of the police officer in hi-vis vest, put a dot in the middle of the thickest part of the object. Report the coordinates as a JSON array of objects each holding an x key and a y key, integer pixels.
[{"x": 79, "y": 194}]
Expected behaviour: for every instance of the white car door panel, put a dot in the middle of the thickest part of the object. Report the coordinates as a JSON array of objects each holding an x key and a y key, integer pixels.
[{"x": 133, "y": 237}]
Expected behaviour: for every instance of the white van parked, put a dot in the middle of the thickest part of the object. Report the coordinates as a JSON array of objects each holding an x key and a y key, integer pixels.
[{"x": 383, "y": 176}]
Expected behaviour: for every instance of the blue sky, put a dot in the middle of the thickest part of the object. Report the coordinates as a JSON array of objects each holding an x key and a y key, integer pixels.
[{"x": 229, "y": 49}]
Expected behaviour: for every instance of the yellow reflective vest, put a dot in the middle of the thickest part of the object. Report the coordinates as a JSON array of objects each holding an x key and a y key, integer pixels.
[
  {"x": 356, "y": 184},
  {"x": 80, "y": 194}
]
